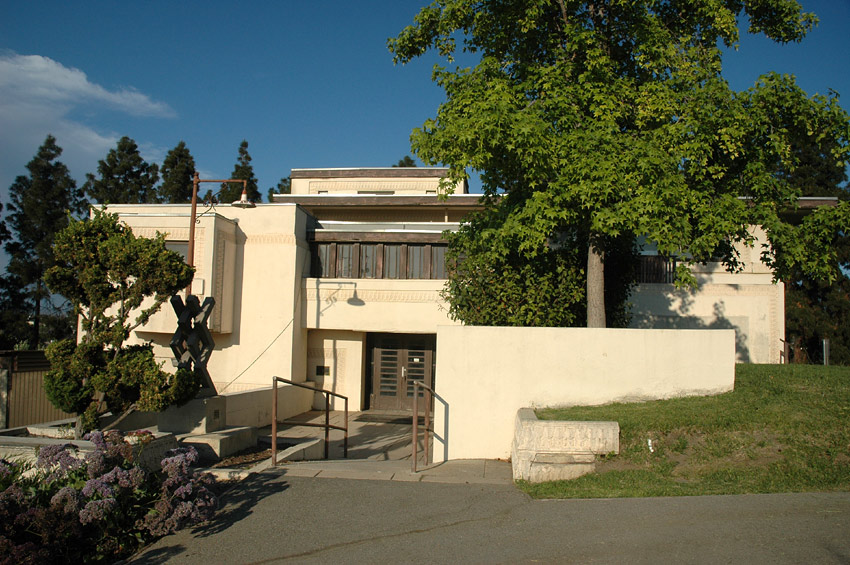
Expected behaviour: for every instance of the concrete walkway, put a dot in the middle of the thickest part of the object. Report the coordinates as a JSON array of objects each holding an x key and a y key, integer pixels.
[{"x": 275, "y": 517}]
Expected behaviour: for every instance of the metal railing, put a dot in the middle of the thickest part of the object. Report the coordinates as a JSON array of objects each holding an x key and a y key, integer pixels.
[
  {"x": 429, "y": 393},
  {"x": 327, "y": 425}
]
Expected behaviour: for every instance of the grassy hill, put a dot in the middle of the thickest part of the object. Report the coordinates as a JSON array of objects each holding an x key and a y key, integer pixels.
[{"x": 785, "y": 428}]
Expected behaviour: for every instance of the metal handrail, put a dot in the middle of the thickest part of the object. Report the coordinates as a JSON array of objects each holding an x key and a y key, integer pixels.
[
  {"x": 327, "y": 425},
  {"x": 429, "y": 392}
]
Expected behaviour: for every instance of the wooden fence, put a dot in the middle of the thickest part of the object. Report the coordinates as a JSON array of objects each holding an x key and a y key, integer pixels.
[{"x": 22, "y": 397}]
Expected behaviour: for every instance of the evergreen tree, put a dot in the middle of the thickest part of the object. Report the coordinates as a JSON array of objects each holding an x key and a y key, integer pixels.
[
  {"x": 116, "y": 282},
  {"x": 406, "y": 161},
  {"x": 284, "y": 186},
  {"x": 244, "y": 171},
  {"x": 177, "y": 172},
  {"x": 41, "y": 205},
  {"x": 125, "y": 178}
]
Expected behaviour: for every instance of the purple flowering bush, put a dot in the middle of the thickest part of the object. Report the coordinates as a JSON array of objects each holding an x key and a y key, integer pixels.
[{"x": 100, "y": 507}]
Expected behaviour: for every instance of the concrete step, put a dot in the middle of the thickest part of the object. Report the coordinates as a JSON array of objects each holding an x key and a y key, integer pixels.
[{"x": 222, "y": 443}]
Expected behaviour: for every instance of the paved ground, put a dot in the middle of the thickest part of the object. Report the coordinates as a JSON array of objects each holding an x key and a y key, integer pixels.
[
  {"x": 380, "y": 436},
  {"x": 373, "y": 509},
  {"x": 273, "y": 517}
]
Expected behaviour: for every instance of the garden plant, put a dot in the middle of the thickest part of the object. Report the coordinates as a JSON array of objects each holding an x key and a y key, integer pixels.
[{"x": 98, "y": 507}]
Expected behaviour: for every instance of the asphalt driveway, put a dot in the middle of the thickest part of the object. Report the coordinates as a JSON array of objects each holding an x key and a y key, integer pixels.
[{"x": 271, "y": 517}]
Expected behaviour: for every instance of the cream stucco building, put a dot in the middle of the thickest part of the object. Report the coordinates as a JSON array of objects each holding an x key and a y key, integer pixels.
[{"x": 339, "y": 284}]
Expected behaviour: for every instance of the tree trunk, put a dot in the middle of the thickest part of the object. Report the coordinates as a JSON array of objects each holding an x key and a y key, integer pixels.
[
  {"x": 595, "y": 288},
  {"x": 35, "y": 338}
]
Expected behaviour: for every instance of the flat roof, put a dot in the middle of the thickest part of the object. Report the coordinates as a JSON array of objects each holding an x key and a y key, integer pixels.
[
  {"x": 380, "y": 200},
  {"x": 370, "y": 172}
]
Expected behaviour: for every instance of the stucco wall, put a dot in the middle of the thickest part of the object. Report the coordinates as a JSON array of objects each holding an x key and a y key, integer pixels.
[
  {"x": 485, "y": 374},
  {"x": 342, "y": 353},
  {"x": 755, "y": 310},
  {"x": 380, "y": 305},
  {"x": 270, "y": 254}
]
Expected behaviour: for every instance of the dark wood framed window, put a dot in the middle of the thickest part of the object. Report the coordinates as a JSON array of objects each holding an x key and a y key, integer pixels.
[
  {"x": 370, "y": 266},
  {"x": 417, "y": 264},
  {"x": 392, "y": 261},
  {"x": 385, "y": 259},
  {"x": 657, "y": 269}
]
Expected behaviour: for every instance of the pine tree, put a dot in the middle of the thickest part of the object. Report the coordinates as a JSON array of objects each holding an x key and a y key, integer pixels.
[
  {"x": 284, "y": 186},
  {"x": 244, "y": 171},
  {"x": 125, "y": 178},
  {"x": 177, "y": 172},
  {"x": 40, "y": 206},
  {"x": 406, "y": 161}
]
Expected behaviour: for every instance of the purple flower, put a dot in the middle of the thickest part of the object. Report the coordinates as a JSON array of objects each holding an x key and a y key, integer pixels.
[
  {"x": 59, "y": 458},
  {"x": 97, "y": 510},
  {"x": 7, "y": 468},
  {"x": 67, "y": 499},
  {"x": 100, "y": 485}
]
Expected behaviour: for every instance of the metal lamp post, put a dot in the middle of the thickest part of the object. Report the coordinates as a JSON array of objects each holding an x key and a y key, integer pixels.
[{"x": 243, "y": 202}]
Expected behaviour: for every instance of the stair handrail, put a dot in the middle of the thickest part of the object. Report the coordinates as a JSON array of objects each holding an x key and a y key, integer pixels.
[
  {"x": 429, "y": 392},
  {"x": 327, "y": 425}
]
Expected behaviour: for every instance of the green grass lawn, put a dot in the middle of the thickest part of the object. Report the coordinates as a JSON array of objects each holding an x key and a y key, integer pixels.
[{"x": 785, "y": 428}]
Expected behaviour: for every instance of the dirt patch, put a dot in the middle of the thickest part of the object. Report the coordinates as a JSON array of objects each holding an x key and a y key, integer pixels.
[{"x": 244, "y": 459}]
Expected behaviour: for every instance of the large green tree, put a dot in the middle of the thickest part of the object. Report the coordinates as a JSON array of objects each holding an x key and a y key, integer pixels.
[
  {"x": 116, "y": 282},
  {"x": 124, "y": 177},
  {"x": 244, "y": 171},
  {"x": 40, "y": 205},
  {"x": 178, "y": 170},
  {"x": 611, "y": 118}
]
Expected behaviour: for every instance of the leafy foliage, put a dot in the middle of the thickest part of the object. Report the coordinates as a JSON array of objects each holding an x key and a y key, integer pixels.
[
  {"x": 612, "y": 119},
  {"x": 125, "y": 178},
  {"x": 101, "y": 506},
  {"x": 815, "y": 309},
  {"x": 110, "y": 275},
  {"x": 178, "y": 170},
  {"x": 40, "y": 205},
  {"x": 491, "y": 284}
]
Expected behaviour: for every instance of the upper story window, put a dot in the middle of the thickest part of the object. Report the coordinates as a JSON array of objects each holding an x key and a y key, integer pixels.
[
  {"x": 373, "y": 260},
  {"x": 181, "y": 247},
  {"x": 657, "y": 269}
]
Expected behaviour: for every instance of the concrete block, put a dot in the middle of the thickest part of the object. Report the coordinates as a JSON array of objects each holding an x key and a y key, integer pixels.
[
  {"x": 198, "y": 416},
  {"x": 223, "y": 443},
  {"x": 310, "y": 450},
  {"x": 559, "y": 450}
]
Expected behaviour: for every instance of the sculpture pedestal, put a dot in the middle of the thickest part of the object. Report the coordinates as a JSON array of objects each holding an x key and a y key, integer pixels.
[{"x": 198, "y": 416}]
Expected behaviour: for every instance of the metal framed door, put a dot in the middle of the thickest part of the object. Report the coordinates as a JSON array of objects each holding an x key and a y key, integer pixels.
[{"x": 397, "y": 361}]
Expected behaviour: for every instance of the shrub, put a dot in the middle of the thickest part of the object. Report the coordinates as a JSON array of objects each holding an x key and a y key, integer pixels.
[{"x": 99, "y": 507}]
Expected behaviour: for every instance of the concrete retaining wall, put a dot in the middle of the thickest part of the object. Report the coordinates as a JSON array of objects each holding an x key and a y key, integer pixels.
[{"x": 486, "y": 374}]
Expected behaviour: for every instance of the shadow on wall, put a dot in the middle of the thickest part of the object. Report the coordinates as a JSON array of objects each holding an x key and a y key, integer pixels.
[{"x": 672, "y": 310}]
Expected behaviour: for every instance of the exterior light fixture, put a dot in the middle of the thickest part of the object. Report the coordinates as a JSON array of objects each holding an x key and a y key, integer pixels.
[{"x": 243, "y": 202}]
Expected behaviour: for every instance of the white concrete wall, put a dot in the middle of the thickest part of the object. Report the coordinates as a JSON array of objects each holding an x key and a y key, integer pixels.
[
  {"x": 747, "y": 301},
  {"x": 754, "y": 309},
  {"x": 380, "y": 305},
  {"x": 254, "y": 407},
  {"x": 343, "y": 353},
  {"x": 268, "y": 255},
  {"x": 485, "y": 374}
]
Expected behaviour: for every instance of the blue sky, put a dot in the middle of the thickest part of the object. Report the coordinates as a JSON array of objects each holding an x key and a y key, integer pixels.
[{"x": 307, "y": 84}]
